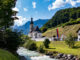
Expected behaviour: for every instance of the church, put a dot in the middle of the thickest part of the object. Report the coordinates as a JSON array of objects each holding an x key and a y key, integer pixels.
[{"x": 34, "y": 31}]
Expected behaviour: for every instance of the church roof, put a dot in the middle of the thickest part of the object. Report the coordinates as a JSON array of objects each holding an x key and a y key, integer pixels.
[
  {"x": 78, "y": 30},
  {"x": 37, "y": 29}
]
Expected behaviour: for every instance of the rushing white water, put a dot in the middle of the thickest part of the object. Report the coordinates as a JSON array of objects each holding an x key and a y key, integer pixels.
[{"x": 32, "y": 55}]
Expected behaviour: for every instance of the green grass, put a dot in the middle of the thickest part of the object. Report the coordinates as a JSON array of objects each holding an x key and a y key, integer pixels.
[
  {"x": 61, "y": 47},
  {"x": 63, "y": 30},
  {"x": 5, "y": 55}
]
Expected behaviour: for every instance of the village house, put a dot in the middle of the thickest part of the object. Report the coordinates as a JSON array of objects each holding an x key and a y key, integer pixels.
[{"x": 78, "y": 31}]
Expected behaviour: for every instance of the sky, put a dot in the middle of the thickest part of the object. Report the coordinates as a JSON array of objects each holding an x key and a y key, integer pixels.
[{"x": 40, "y": 9}]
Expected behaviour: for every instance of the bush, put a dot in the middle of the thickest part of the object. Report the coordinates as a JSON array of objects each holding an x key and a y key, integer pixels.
[
  {"x": 24, "y": 38},
  {"x": 46, "y": 43},
  {"x": 70, "y": 41},
  {"x": 31, "y": 45},
  {"x": 11, "y": 40},
  {"x": 40, "y": 49},
  {"x": 43, "y": 29}
]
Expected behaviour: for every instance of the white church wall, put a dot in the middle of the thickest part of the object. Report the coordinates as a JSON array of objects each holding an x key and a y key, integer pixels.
[
  {"x": 41, "y": 39},
  {"x": 36, "y": 35},
  {"x": 39, "y": 35}
]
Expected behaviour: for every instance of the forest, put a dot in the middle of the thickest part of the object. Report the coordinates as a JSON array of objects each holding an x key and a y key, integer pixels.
[{"x": 63, "y": 17}]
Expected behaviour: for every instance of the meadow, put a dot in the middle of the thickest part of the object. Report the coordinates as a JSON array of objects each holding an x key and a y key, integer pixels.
[
  {"x": 5, "y": 55},
  {"x": 61, "y": 47},
  {"x": 63, "y": 31}
]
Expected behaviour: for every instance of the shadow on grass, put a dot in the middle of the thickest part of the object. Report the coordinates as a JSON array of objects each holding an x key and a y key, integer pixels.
[
  {"x": 76, "y": 47},
  {"x": 51, "y": 48}
]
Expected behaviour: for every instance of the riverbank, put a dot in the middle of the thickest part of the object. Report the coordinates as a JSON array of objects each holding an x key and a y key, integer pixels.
[
  {"x": 61, "y": 47},
  {"x": 62, "y": 56},
  {"x": 32, "y": 55}
]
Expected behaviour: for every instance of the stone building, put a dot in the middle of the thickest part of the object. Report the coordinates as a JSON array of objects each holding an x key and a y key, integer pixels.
[{"x": 34, "y": 31}]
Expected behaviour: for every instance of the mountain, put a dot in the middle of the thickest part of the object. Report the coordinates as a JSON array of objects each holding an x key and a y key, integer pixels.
[
  {"x": 25, "y": 28},
  {"x": 64, "y": 17}
]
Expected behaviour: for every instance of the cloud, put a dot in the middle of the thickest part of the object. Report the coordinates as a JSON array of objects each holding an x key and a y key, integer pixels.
[
  {"x": 56, "y": 4},
  {"x": 15, "y": 9},
  {"x": 21, "y": 21},
  {"x": 25, "y": 9},
  {"x": 34, "y": 4},
  {"x": 62, "y": 3},
  {"x": 73, "y": 2}
]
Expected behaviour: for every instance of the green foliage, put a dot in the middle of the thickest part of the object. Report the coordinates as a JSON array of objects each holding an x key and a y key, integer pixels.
[
  {"x": 46, "y": 43},
  {"x": 11, "y": 40},
  {"x": 70, "y": 41},
  {"x": 6, "y": 12},
  {"x": 62, "y": 47},
  {"x": 40, "y": 49},
  {"x": 6, "y": 55},
  {"x": 71, "y": 22},
  {"x": 43, "y": 29},
  {"x": 65, "y": 30},
  {"x": 31, "y": 45},
  {"x": 28, "y": 43},
  {"x": 68, "y": 16},
  {"x": 24, "y": 38}
]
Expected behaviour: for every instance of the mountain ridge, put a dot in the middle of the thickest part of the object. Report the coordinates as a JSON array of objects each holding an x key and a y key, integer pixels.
[
  {"x": 25, "y": 28},
  {"x": 63, "y": 17}
]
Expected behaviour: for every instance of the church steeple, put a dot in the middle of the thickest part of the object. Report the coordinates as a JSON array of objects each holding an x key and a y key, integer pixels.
[
  {"x": 31, "y": 25},
  {"x": 31, "y": 21}
]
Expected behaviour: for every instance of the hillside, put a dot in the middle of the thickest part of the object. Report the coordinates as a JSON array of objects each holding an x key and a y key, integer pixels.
[
  {"x": 5, "y": 55},
  {"x": 63, "y": 17},
  {"x": 25, "y": 27},
  {"x": 63, "y": 30}
]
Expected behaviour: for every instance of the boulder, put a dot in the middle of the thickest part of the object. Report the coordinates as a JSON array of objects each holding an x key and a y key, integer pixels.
[
  {"x": 22, "y": 58},
  {"x": 77, "y": 58},
  {"x": 52, "y": 56},
  {"x": 70, "y": 56},
  {"x": 60, "y": 55},
  {"x": 49, "y": 53},
  {"x": 64, "y": 56},
  {"x": 74, "y": 58}
]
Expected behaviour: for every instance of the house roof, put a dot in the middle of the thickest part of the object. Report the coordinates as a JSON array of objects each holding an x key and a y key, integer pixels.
[
  {"x": 78, "y": 30},
  {"x": 37, "y": 29}
]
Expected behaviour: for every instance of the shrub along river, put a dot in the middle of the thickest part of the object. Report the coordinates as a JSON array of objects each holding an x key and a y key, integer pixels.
[{"x": 32, "y": 55}]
